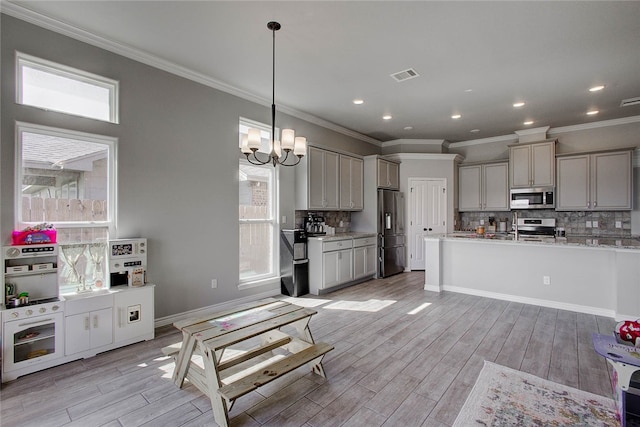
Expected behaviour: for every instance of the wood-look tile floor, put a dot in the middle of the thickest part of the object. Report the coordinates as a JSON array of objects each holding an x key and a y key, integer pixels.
[{"x": 403, "y": 357}]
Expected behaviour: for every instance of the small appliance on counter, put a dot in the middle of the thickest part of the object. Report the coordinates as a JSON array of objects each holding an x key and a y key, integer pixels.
[
  {"x": 128, "y": 262},
  {"x": 314, "y": 225},
  {"x": 535, "y": 229}
]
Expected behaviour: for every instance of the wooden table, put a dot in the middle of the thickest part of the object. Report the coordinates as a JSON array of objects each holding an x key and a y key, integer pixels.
[{"x": 214, "y": 356}]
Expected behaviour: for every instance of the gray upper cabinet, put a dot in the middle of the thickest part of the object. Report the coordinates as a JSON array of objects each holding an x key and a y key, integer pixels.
[
  {"x": 532, "y": 165},
  {"x": 388, "y": 174},
  {"x": 596, "y": 181},
  {"x": 351, "y": 180},
  {"x": 329, "y": 181},
  {"x": 483, "y": 187}
]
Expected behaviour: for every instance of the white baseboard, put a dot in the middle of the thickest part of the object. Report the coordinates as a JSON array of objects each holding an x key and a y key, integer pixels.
[
  {"x": 168, "y": 320},
  {"x": 432, "y": 288},
  {"x": 533, "y": 301}
]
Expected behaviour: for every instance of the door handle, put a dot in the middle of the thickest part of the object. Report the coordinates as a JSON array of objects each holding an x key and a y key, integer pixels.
[{"x": 427, "y": 229}]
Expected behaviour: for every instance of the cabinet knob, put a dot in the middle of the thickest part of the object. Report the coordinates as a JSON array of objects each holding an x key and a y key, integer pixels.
[
  {"x": 595, "y": 203},
  {"x": 28, "y": 312},
  {"x": 42, "y": 310}
]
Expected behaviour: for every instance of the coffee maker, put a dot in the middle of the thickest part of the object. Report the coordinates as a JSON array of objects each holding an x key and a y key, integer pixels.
[{"x": 314, "y": 225}]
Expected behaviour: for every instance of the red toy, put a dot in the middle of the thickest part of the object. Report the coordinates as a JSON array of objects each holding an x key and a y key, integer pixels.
[{"x": 628, "y": 332}]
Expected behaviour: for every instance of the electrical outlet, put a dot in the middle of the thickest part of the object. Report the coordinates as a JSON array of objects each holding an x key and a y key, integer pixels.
[
  {"x": 284, "y": 219},
  {"x": 588, "y": 224},
  {"x": 594, "y": 224},
  {"x": 482, "y": 222},
  {"x": 618, "y": 224},
  {"x": 214, "y": 283},
  {"x": 546, "y": 280}
]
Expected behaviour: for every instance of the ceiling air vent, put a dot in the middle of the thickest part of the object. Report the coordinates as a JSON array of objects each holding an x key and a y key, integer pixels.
[
  {"x": 630, "y": 101},
  {"x": 401, "y": 76}
]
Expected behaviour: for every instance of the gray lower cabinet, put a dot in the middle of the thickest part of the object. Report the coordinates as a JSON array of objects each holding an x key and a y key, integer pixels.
[
  {"x": 594, "y": 181},
  {"x": 338, "y": 263}
]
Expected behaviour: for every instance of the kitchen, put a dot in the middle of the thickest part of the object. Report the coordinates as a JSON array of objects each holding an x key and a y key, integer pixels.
[{"x": 153, "y": 130}]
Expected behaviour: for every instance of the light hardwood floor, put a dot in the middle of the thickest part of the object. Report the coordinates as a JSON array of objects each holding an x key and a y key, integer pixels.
[{"x": 403, "y": 357}]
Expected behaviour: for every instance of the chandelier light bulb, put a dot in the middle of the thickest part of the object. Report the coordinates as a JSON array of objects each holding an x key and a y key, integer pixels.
[
  {"x": 300, "y": 146},
  {"x": 245, "y": 145},
  {"x": 288, "y": 140},
  {"x": 254, "y": 141}
]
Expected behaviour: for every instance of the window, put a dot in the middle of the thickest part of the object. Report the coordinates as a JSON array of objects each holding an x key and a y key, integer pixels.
[
  {"x": 56, "y": 87},
  {"x": 258, "y": 217},
  {"x": 67, "y": 178}
]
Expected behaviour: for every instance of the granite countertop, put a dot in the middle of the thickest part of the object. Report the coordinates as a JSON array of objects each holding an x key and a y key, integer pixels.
[
  {"x": 587, "y": 241},
  {"x": 342, "y": 236}
]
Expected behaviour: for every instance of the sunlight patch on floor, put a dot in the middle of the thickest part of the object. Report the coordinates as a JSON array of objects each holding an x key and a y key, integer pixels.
[
  {"x": 371, "y": 305},
  {"x": 419, "y": 308}
]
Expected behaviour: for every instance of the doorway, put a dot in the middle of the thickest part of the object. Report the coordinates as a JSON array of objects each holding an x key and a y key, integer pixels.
[{"x": 427, "y": 215}]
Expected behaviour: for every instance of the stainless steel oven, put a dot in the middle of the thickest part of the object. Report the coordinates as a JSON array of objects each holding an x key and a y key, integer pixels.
[{"x": 533, "y": 198}]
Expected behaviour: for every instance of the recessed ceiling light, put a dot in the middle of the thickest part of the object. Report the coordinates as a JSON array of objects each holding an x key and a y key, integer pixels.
[
  {"x": 474, "y": 130},
  {"x": 518, "y": 104},
  {"x": 596, "y": 88},
  {"x": 358, "y": 101},
  {"x": 592, "y": 112},
  {"x": 408, "y": 128},
  {"x": 456, "y": 116},
  {"x": 387, "y": 117},
  {"x": 528, "y": 122},
  {"x": 468, "y": 90}
]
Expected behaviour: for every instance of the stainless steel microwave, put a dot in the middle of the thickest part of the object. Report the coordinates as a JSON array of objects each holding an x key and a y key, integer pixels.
[{"x": 532, "y": 198}]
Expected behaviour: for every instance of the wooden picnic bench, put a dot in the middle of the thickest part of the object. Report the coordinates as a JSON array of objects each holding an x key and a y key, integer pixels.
[{"x": 219, "y": 355}]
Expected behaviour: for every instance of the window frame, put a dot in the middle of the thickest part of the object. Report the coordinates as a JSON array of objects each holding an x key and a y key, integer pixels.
[
  {"x": 110, "y": 142},
  {"x": 113, "y": 86},
  {"x": 274, "y": 194}
]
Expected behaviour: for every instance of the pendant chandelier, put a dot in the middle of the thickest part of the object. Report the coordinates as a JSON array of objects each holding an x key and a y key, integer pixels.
[{"x": 290, "y": 144}]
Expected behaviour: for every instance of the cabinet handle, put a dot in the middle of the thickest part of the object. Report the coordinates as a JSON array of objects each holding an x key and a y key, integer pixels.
[
  {"x": 595, "y": 203},
  {"x": 95, "y": 321},
  {"x": 87, "y": 325}
]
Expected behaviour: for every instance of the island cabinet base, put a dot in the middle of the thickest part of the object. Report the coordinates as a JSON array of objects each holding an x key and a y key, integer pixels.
[{"x": 588, "y": 279}]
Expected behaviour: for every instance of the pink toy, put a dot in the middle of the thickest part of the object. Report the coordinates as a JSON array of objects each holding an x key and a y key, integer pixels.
[{"x": 628, "y": 332}]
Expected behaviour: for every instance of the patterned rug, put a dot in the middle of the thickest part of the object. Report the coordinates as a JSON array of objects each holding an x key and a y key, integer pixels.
[{"x": 505, "y": 397}]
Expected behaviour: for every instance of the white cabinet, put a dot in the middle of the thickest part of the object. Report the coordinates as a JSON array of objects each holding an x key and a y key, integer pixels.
[
  {"x": 88, "y": 324},
  {"x": 595, "y": 181},
  {"x": 483, "y": 187},
  {"x": 336, "y": 267},
  {"x": 364, "y": 257},
  {"x": 134, "y": 316},
  {"x": 388, "y": 174},
  {"x": 533, "y": 164},
  {"x": 351, "y": 179},
  {"x": 88, "y": 331}
]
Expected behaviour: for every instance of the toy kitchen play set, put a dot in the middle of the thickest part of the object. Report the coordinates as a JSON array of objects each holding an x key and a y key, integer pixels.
[{"x": 63, "y": 302}]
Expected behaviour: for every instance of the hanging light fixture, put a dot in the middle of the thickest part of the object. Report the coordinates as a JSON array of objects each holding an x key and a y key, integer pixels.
[{"x": 290, "y": 143}]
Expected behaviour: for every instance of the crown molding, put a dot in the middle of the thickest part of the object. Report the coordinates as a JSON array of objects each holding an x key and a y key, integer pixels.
[
  {"x": 24, "y": 14},
  {"x": 438, "y": 142},
  {"x": 425, "y": 156},
  {"x": 552, "y": 131},
  {"x": 532, "y": 131}
]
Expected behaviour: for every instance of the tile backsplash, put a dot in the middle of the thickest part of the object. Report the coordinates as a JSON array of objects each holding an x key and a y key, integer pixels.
[
  {"x": 574, "y": 223},
  {"x": 340, "y": 220}
]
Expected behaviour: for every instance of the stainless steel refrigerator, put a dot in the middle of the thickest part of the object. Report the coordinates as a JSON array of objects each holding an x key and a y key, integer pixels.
[{"x": 391, "y": 252}]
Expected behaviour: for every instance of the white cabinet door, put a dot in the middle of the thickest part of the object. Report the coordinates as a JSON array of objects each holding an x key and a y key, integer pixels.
[
  {"x": 495, "y": 180},
  {"x": 611, "y": 180},
  {"x": 331, "y": 180},
  {"x": 573, "y": 192},
  {"x": 134, "y": 319},
  {"x": 87, "y": 331},
  {"x": 359, "y": 262},
  {"x": 101, "y": 327},
  {"x": 77, "y": 333},
  {"x": 470, "y": 188},
  {"x": 337, "y": 267},
  {"x": 345, "y": 265},
  {"x": 357, "y": 184},
  {"x": 371, "y": 260}
]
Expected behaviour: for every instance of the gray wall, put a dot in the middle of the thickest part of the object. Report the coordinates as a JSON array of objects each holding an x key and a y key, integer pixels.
[{"x": 177, "y": 164}]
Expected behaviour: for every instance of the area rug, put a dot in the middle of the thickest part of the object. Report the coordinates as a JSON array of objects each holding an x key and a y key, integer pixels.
[{"x": 505, "y": 397}]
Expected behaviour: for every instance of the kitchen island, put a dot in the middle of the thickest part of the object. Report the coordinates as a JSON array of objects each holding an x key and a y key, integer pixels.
[{"x": 585, "y": 274}]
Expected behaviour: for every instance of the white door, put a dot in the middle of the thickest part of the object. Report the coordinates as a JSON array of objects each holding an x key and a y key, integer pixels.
[{"x": 428, "y": 204}]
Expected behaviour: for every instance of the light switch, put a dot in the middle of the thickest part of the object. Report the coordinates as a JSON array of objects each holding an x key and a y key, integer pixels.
[
  {"x": 618, "y": 224},
  {"x": 588, "y": 224},
  {"x": 594, "y": 224}
]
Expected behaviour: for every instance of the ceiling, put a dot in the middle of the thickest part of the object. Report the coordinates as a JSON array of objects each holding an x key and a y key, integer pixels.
[{"x": 473, "y": 58}]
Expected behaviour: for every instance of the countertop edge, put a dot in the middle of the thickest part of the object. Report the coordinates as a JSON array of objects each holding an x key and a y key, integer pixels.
[{"x": 561, "y": 244}]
